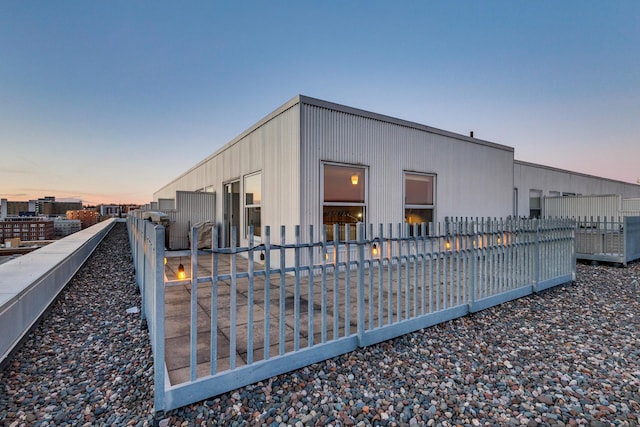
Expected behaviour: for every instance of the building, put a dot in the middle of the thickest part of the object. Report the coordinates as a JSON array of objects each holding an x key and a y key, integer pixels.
[
  {"x": 45, "y": 206},
  {"x": 63, "y": 227},
  {"x": 312, "y": 162},
  {"x": 533, "y": 183},
  {"x": 48, "y": 206},
  {"x": 86, "y": 217},
  {"x": 20, "y": 208},
  {"x": 26, "y": 229}
]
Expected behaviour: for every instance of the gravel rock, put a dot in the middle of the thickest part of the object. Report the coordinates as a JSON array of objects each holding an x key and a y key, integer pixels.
[
  {"x": 569, "y": 356},
  {"x": 87, "y": 361}
]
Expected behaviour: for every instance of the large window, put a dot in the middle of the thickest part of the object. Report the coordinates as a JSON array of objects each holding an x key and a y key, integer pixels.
[
  {"x": 252, "y": 199},
  {"x": 419, "y": 200},
  {"x": 344, "y": 198}
]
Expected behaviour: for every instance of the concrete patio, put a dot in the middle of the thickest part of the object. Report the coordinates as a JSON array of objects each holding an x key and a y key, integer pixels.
[{"x": 282, "y": 326}]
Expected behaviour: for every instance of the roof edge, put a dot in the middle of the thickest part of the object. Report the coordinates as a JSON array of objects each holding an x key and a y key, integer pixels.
[
  {"x": 390, "y": 119},
  {"x": 586, "y": 175}
]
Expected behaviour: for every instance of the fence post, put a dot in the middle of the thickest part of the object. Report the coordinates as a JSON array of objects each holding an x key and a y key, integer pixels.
[
  {"x": 573, "y": 226},
  {"x": 360, "y": 297},
  {"x": 250, "y": 295},
  {"x": 193, "y": 359},
  {"x": 536, "y": 254},
  {"x": 625, "y": 249},
  {"x": 474, "y": 267},
  {"x": 214, "y": 301},
  {"x": 296, "y": 292},
  {"x": 267, "y": 291},
  {"x": 141, "y": 267},
  {"x": 310, "y": 295},
  {"x": 158, "y": 320}
]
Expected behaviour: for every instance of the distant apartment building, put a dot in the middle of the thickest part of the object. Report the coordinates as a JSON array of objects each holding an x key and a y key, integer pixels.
[
  {"x": 111, "y": 211},
  {"x": 19, "y": 208},
  {"x": 86, "y": 217},
  {"x": 27, "y": 228},
  {"x": 50, "y": 207},
  {"x": 63, "y": 227},
  {"x": 45, "y": 206}
]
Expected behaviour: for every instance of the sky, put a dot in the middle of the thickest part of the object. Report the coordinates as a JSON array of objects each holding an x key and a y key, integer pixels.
[{"x": 106, "y": 102}]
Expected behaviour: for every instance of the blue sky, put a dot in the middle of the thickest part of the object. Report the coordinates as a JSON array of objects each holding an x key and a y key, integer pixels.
[{"x": 109, "y": 101}]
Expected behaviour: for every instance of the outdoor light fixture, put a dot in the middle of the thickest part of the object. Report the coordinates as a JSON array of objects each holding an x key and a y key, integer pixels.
[
  {"x": 165, "y": 260},
  {"x": 262, "y": 256},
  {"x": 181, "y": 272},
  {"x": 447, "y": 245},
  {"x": 354, "y": 179},
  {"x": 374, "y": 250}
]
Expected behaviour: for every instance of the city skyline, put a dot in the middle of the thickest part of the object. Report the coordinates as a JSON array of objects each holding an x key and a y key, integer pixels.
[{"x": 106, "y": 103}]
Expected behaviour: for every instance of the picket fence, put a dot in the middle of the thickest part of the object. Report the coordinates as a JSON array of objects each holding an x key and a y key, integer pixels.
[{"x": 277, "y": 305}]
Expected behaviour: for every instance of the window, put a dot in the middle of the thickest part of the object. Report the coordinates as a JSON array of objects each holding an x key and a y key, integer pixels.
[
  {"x": 418, "y": 199},
  {"x": 252, "y": 199},
  {"x": 535, "y": 203},
  {"x": 344, "y": 198}
]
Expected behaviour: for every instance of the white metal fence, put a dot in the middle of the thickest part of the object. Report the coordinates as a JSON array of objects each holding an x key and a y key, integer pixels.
[
  {"x": 612, "y": 239},
  {"x": 277, "y": 306}
]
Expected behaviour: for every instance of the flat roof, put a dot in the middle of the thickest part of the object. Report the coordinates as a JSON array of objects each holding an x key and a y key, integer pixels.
[{"x": 302, "y": 99}]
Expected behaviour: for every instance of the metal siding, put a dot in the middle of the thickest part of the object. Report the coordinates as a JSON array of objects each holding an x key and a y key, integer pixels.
[
  {"x": 531, "y": 176},
  {"x": 191, "y": 208},
  {"x": 165, "y": 204},
  {"x": 631, "y": 204},
  {"x": 471, "y": 179},
  {"x": 607, "y": 206},
  {"x": 271, "y": 147}
]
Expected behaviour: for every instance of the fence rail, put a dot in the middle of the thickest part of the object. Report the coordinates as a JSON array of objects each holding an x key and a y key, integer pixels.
[
  {"x": 276, "y": 306},
  {"x": 608, "y": 239}
]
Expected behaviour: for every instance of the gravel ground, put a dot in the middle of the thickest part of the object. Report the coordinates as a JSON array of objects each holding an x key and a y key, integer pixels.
[{"x": 567, "y": 356}]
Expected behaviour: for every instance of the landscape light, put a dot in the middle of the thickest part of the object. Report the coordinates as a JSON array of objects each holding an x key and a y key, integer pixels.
[{"x": 181, "y": 272}]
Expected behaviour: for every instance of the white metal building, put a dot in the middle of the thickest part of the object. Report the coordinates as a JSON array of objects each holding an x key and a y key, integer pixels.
[
  {"x": 316, "y": 162},
  {"x": 533, "y": 183}
]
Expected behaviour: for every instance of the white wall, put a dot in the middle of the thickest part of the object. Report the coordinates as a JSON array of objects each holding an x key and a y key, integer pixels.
[
  {"x": 473, "y": 178},
  {"x": 270, "y": 146},
  {"x": 538, "y": 177}
]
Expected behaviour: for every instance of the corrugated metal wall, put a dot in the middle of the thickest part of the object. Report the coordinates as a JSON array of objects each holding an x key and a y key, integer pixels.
[
  {"x": 607, "y": 206},
  {"x": 165, "y": 204},
  {"x": 191, "y": 208},
  {"x": 472, "y": 179},
  {"x": 270, "y": 147},
  {"x": 528, "y": 176},
  {"x": 631, "y": 205}
]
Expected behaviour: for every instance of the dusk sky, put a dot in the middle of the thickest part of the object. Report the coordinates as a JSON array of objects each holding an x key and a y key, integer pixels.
[{"x": 108, "y": 101}]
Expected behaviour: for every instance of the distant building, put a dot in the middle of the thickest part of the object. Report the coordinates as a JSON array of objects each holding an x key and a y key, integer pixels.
[
  {"x": 50, "y": 207},
  {"x": 86, "y": 217},
  {"x": 27, "y": 228},
  {"x": 16, "y": 208},
  {"x": 63, "y": 227},
  {"x": 111, "y": 211},
  {"x": 45, "y": 206}
]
